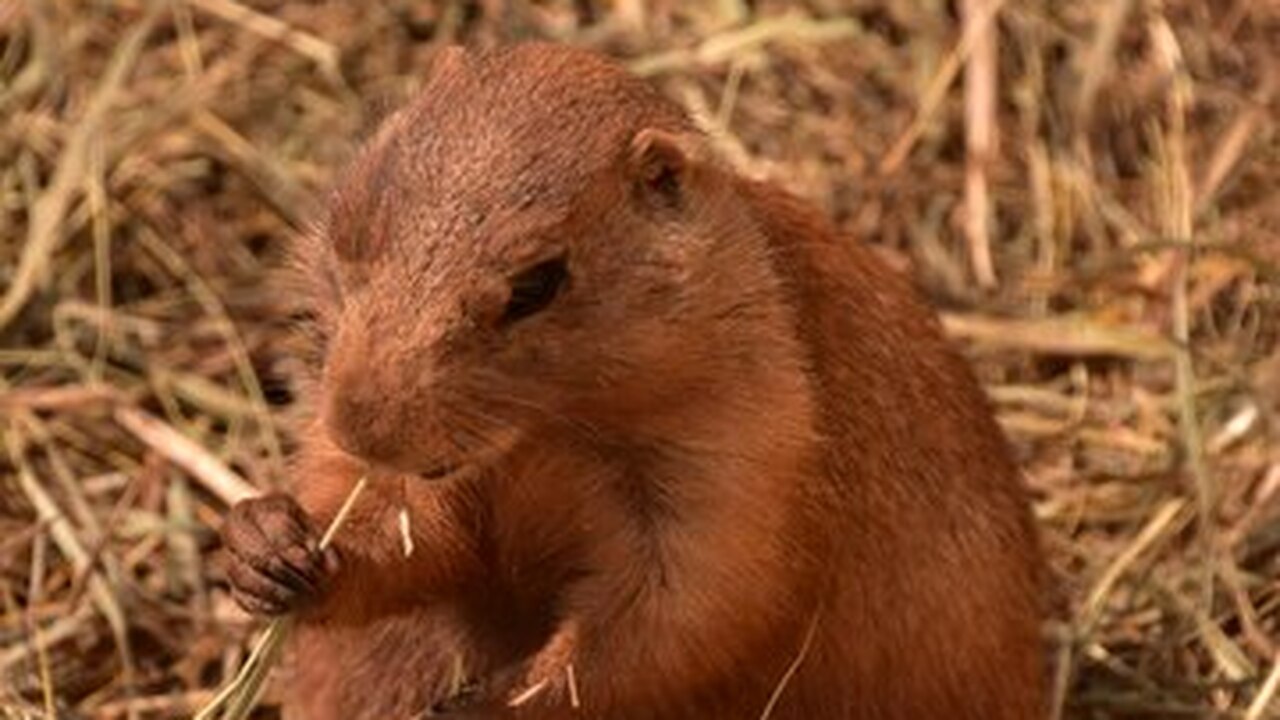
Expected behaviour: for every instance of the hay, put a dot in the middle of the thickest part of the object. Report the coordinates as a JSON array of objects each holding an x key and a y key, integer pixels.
[{"x": 1087, "y": 192}]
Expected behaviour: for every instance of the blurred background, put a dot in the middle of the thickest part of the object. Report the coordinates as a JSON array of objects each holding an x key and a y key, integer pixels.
[{"x": 1086, "y": 190}]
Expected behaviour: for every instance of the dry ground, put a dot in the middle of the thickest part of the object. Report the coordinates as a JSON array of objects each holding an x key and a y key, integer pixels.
[{"x": 1086, "y": 189}]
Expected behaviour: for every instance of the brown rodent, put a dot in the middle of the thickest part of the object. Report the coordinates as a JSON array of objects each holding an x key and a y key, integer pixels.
[{"x": 669, "y": 446}]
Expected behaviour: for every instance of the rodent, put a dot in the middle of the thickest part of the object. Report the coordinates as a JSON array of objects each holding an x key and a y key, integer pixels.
[{"x": 670, "y": 446}]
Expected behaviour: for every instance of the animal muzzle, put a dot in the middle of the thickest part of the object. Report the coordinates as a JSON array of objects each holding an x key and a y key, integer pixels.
[{"x": 372, "y": 412}]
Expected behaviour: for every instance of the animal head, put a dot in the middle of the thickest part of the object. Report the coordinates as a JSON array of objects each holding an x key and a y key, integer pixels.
[{"x": 539, "y": 239}]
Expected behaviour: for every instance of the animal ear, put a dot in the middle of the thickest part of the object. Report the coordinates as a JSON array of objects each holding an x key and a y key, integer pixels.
[
  {"x": 446, "y": 66},
  {"x": 660, "y": 164},
  {"x": 447, "y": 60}
]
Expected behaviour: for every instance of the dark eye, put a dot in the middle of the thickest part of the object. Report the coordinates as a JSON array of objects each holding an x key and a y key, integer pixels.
[{"x": 532, "y": 290}]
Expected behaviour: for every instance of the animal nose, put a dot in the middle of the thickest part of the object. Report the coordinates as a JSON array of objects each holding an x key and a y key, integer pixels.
[
  {"x": 362, "y": 410},
  {"x": 354, "y": 417},
  {"x": 352, "y": 422}
]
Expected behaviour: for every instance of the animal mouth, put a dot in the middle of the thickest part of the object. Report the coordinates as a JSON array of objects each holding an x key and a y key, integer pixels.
[
  {"x": 445, "y": 470},
  {"x": 441, "y": 471}
]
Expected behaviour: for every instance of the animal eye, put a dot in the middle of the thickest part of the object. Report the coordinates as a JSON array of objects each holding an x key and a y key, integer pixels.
[{"x": 532, "y": 290}]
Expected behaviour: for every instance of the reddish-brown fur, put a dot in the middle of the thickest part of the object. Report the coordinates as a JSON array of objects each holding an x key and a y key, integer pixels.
[{"x": 734, "y": 458}]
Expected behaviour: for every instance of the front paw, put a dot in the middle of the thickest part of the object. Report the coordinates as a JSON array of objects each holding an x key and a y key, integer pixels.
[{"x": 274, "y": 562}]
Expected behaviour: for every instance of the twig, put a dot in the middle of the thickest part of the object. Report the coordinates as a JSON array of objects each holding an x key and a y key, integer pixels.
[{"x": 208, "y": 470}]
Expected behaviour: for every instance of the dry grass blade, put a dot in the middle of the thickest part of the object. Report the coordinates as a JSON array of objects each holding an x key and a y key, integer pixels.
[
  {"x": 1098, "y": 60},
  {"x": 69, "y": 544},
  {"x": 1162, "y": 524},
  {"x": 236, "y": 699},
  {"x": 64, "y": 628},
  {"x": 65, "y": 397},
  {"x": 322, "y": 53},
  {"x": 1265, "y": 704},
  {"x": 722, "y": 47},
  {"x": 792, "y": 667},
  {"x": 47, "y": 215},
  {"x": 215, "y": 307},
  {"x": 981, "y": 131},
  {"x": 1061, "y": 336},
  {"x": 1242, "y": 133},
  {"x": 1176, "y": 207}
]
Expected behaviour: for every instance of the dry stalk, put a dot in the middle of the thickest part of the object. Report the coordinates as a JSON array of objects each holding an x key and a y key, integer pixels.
[
  {"x": 981, "y": 135},
  {"x": 1176, "y": 211}
]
